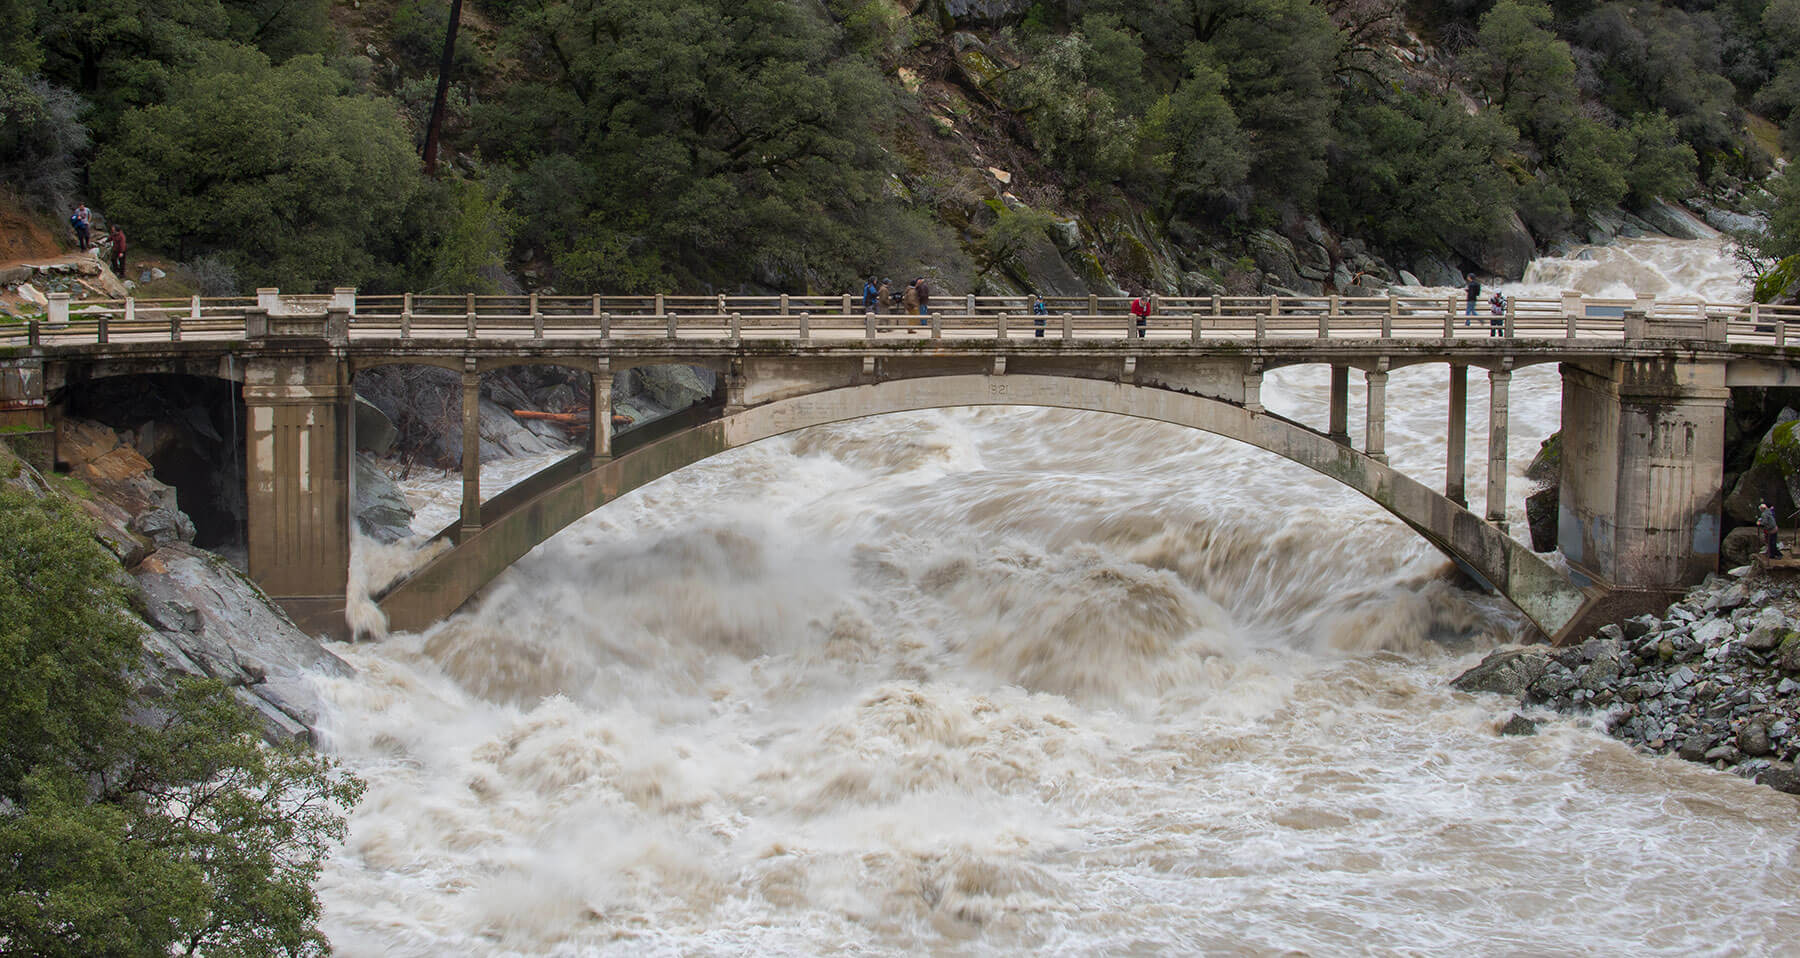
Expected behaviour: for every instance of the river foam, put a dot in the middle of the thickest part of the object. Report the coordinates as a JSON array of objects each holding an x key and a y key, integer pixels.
[{"x": 988, "y": 680}]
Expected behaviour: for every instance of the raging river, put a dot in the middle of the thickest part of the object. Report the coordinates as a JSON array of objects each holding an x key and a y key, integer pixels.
[{"x": 989, "y": 681}]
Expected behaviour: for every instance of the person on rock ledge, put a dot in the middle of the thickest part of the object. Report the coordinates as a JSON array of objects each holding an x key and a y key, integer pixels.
[{"x": 1765, "y": 520}]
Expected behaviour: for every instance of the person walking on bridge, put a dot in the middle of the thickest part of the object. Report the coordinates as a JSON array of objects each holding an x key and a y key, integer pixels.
[
  {"x": 870, "y": 296},
  {"x": 1472, "y": 287},
  {"x": 1771, "y": 530},
  {"x": 924, "y": 289},
  {"x": 884, "y": 296}
]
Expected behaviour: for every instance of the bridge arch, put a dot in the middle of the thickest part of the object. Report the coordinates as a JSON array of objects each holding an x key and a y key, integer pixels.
[{"x": 435, "y": 591}]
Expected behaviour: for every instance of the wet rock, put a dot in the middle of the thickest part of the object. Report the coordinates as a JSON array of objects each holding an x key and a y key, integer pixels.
[
  {"x": 1770, "y": 627},
  {"x": 1781, "y": 776},
  {"x": 163, "y": 526},
  {"x": 1519, "y": 725},
  {"x": 1506, "y": 671},
  {"x": 1694, "y": 748},
  {"x": 381, "y": 509},
  {"x": 375, "y": 432},
  {"x": 1788, "y": 659},
  {"x": 1753, "y": 739},
  {"x": 1541, "y": 512},
  {"x": 1637, "y": 628}
]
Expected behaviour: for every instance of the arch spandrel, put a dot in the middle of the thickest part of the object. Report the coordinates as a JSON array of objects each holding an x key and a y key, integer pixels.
[{"x": 1539, "y": 590}]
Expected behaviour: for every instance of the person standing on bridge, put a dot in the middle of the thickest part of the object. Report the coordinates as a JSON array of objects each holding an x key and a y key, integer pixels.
[
  {"x": 884, "y": 296},
  {"x": 924, "y": 289},
  {"x": 1038, "y": 312},
  {"x": 909, "y": 300},
  {"x": 871, "y": 296},
  {"x": 1497, "y": 311},
  {"x": 1771, "y": 530},
  {"x": 1471, "y": 286},
  {"x": 1140, "y": 307}
]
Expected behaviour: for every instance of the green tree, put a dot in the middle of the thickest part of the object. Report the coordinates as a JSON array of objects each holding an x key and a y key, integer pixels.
[
  {"x": 714, "y": 139},
  {"x": 1196, "y": 143},
  {"x": 278, "y": 169},
  {"x": 1661, "y": 164},
  {"x": 1077, "y": 126},
  {"x": 134, "y": 825},
  {"x": 1417, "y": 172},
  {"x": 1527, "y": 71}
]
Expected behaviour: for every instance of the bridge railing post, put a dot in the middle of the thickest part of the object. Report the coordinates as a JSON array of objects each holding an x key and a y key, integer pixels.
[
  {"x": 605, "y": 324},
  {"x": 937, "y": 326},
  {"x": 1512, "y": 317},
  {"x": 469, "y": 313},
  {"x": 406, "y": 316},
  {"x": 868, "y": 325},
  {"x": 537, "y": 321},
  {"x": 847, "y": 310},
  {"x": 1325, "y": 318},
  {"x": 1262, "y": 326},
  {"x": 34, "y": 333},
  {"x": 174, "y": 327},
  {"x": 737, "y": 328},
  {"x": 659, "y": 304},
  {"x": 806, "y": 327},
  {"x": 1068, "y": 327},
  {"x": 1000, "y": 327},
  {"x": 672, "y": 331},
  {"x": 101, "y": 333},
  {"x": 784, "y": 303}
]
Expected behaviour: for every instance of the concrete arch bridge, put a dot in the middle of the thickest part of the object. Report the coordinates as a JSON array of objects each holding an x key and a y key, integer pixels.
[{"x": 1645, "y": 394}]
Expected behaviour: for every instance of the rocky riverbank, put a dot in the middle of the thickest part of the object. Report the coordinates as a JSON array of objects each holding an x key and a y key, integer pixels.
[{"x": 1716, "y": 679}]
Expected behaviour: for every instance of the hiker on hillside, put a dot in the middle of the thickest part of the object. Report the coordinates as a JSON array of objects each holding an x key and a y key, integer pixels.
[
  {"x": 1765, "y": 520},
  {"x": 81, "y": 221},
  {"x": 118, "y": 251}
]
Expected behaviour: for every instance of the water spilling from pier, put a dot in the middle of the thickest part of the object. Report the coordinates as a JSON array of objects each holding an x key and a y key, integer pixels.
[{"x": 981, "y": 681}]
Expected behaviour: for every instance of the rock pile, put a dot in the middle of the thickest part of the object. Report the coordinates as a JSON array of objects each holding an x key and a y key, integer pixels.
[{"x": 1715, "y": 680}]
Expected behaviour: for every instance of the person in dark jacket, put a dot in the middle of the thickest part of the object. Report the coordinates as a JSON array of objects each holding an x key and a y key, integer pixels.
[
  {"x": 1471, "y": 286},
  {"x": 924, "y": 289},
  {"x": 1038, "y": 312},
  {"x": 118, "y": 251},
  {"x": 1765, "y": 520}
]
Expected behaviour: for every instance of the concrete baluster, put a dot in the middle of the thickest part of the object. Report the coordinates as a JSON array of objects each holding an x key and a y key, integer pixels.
[
  {"x": 406, "y": 316},
  {"x": 672, "y": 330},
  {"x": 268, "y": 298},
  {"x": 1393, "y": 313},
  {"x": 1512, "y": 316},
  {"x": 130, "y": 311},
  {"x": 1262, "y": 326},
  {"x": 469, "y": 314},
  {"x": 1457, "y": 437},
  {"x": 102, "y": 332},
  {"x": 1068, "y": 324},
  {"x": 537, "y": 321},
  {"x": 806, "y": 327},
  {"x": 736, "y": 333},
  {"x": 969, "y": 304},
  {"x": 1093, "y": 304},
  {"x": 1375, "y": 422},
  {"x": 1498, "y": 382},
  {"x": 605, "y": 324},
  {"x": 848, "y": 311},
  {"x": 784, "y": 304},
  {"x": 471, "y": 450},
  {"x": 1338, "y": 430},
  {"x": 868, "y": 325},
  {"x": 174, "y": 326},
  {"x": 1194, "y": 327},
  {"x": 937, "y": 326},
  {"x": 1574, "y": 309},
  {"x": 660, "y": 305},
  {"x": 1253, "y": 389},
  {"x": 1325, "y": 318},
  {"x": 1000, "y": 328}
]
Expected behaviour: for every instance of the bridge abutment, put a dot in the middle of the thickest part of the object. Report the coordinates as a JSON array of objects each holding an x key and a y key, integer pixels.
[
  {"x": 1642, "y": 467},
  {"x": 299, "y": 438}
]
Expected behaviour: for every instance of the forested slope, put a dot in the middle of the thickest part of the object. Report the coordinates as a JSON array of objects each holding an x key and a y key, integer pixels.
[{"x": 628, "y": 145}]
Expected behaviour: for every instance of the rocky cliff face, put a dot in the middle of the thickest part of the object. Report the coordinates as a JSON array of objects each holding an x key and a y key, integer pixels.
[
  {"x": 1714, "y": 680},
  {"x": 200, "y": 615}
]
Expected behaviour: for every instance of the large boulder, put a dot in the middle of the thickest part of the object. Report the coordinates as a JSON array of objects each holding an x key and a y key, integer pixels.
[
  {"x": 1274, "y": 254},
  {"x": 1768, "y": 477},
  {"x": 1675, "y": 221},
  {"x": 1506, "y": 671},
  {"x": 1504, "y": 254},
  {"x": 1541, "y": 514},
  {"x": 375, "y": 432}
]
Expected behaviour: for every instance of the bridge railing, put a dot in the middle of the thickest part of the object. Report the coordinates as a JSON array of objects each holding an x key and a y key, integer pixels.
[{"x": 840, "y": 318}]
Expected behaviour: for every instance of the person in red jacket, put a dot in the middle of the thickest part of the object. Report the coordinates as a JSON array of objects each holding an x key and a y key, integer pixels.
[
  {"x": 118, "y": 251},
  {"x": 1140, "y": 307}
]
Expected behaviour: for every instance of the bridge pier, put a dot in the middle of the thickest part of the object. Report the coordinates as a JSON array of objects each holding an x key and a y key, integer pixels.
[
  {"x": 299, "y": 439},
  {"x": 1456, "y": 452},
  {"x": 600, "y": 429},
  {"x": 1339, "y": 429},
  {"x": 471, "y": 450},
  {"x": 1375, "y": 422},
  {"x": 1499, "y": 384},
  {"x": 1642, "y": 467}
]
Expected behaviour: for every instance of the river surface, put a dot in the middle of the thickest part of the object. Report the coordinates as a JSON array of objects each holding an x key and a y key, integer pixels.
[{"x": 984, "y": 681}]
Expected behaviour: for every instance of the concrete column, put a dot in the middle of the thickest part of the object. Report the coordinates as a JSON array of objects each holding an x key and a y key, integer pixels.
[
  {"x": 600, "y": 428},
  {"x": 471, "y": 449},
  {"x": 24, "y": 413},
  {"x": 1339, "y": 430},
  {"x": 299, "y": 447},
  {"x": 1642, "y": 466},
  {"x": 1253, "y": 389},
  {"x": 1456, "y": 454},
  {"x": 1375, "y": 423},
  {"x": 735, "y": 382},
  {"x": 1499, "y": 381}
]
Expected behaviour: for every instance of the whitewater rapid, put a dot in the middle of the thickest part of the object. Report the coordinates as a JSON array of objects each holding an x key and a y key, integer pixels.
[{"x": 988, "y": 680}]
